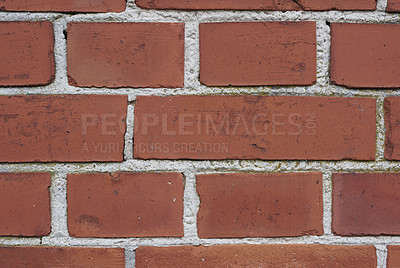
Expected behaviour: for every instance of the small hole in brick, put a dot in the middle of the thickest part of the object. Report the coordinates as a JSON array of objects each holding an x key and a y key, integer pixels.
[{"x": 328, "y": 23}]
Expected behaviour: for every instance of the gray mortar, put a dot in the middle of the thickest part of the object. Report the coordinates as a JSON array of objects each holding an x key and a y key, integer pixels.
[{"x": 59, "y": 235}]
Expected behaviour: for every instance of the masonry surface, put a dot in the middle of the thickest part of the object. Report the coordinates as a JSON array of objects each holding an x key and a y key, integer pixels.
[{"x": 200, "y": 133}]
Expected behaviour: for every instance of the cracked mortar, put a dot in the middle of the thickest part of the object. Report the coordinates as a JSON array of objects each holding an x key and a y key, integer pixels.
[{"x": 59, "y": 235}]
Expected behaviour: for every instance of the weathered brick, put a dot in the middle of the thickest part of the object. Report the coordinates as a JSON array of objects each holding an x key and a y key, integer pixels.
[
  {"x": 257, "y": 256},
  {"x": 24, "y": 204},
  {"x": 259, "y": 4},
  {"x": 254, "y": 127},
  {"x": 61, "y": 257},
  {"x": 64, "y": 5},
  {"x": 365, "y": 55},
  {"x": 126, "y": 54},
  {"x": 260, "y": 205},
  {"x": 393, "y": 259},
  {"x": 26, "y": 53},
  {"x": 75, "y": 128},
  {"x": 392, "y": 125},
  {"x": 125, "y": 205},
  {"x": 393, "y": 6},
  {"x": 366, "y": 204},
  {"x": 258, "y": 53}
]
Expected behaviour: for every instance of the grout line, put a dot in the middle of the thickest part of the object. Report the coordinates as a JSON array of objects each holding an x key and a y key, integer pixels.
[
  {"x": 380, "y": 129},
  {"x": 128, "y": 151},
  {"x": 327, "y": 197},
  {"x": 381, "y": 252},
  {"x": 58, "y": 202}
]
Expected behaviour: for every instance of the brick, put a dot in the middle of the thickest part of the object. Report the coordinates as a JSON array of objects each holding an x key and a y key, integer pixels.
[
  {"x": 365, "y": 55},
  {"x": 62, "y": 257},
  {"x": 254, "y": 127},
  {"x": 24, "y": 204},
  {"x": 393, "y": 259},
  {"x": 257, "y": 256},
  {"x": 76, "y": 128},
  {"x": 258, "y": 53},
  {"x": 126, "y": 54},
  {"x": 393, "y": 6},
  {"x": 125, "y": 205},
  {"x": 366, "y": 204},
  {"x": 392, "y": 122},
  {"x": 64, "y": 5},
  {"x": 26, "y": 53},
  {"x": 259, "y": 4},
  {"x": 260, "y": 205}
]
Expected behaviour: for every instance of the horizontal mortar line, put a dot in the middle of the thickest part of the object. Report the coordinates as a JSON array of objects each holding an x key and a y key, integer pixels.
[
  {"x": 204, "y": 166},
  {"x": 143, "y": 15},
  {"x": 101, "y": 242},
  {"x": 318, "y": 92}
]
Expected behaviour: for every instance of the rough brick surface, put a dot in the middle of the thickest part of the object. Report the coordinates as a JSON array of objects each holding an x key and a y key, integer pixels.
[
  {"x": 26, "y": 53},
  {"x": 64, "y": 5},
  {"x": 259, "y": 4},
  {"x": 254, "y": 127},
  {"x": 61, "y": 257},
  {"x": 126, "y": 54},
  {"x": 125, "y": 205},
  {"x": 393, "y": 259},
  {"x": 76, "y": 128},
  {"x": 257, "y": 256},
  {"x": 259, "y": 205},
  {"x": 366, "y": 204},
  {"x": 365, "y": 55},
  {"x": 393, "y": 6},
  {"x": 24, "y": 204},
  {"x": 392, "y": 125},
  {"x": 256, "y": 53}
]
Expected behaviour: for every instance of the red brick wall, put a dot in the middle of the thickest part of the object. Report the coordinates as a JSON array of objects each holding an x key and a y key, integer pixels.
[{"x": 199, "y": 133}]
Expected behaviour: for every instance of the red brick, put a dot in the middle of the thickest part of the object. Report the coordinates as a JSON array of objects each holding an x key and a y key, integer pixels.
[
  {"x": 393, "y": 259},
  {"x": 258, "y": 53},
  {"x": 392, "y": 125},
  {"x": 74, "y": 128},
  {"x": 61, "y": 257},
  {"x": 366, "y": 204},
  {"x": 365, "y": 55},
  {"x": 260, "y": 205},
  {"x": 393, "y": 6},
  {"x": 126, "y": 54},
  {"x": 259, "y": 4},
  {"x": 125, "y": 205},
  {"x": 254, "y": 127},
  {"x": 26, "y": 53},
  {"x": 64, "y": 5},
  {"x": 24, "y": 204},
  {"x": 257, "y": 256}
]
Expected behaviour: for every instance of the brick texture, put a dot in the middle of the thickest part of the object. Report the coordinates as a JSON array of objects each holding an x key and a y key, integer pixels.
[
  {"x": 256, "y": 53},
  {"x": 393, "y": 259},
  {"x": 262, "y": 205},
  {"x": 24, "y": 204},
  {"x": 126, "y": 54},
  {"x": 257, "y": 256},
  {"x": 254, "y": 127},
  {"x": 392, "y": 125},
  {"x": 259, "y": 4},
  {"x": 366, "y": 204},
  {"x": 61, "y": 257},
  {"x": 26, "y": 53},
  {"x": 393, "y": 6},
  {"x": 125, "y": 205},
  {"x": 359, "y": 61},
  {"x": 76, "y": 128},
  {"x": 64, "y": 5}
]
